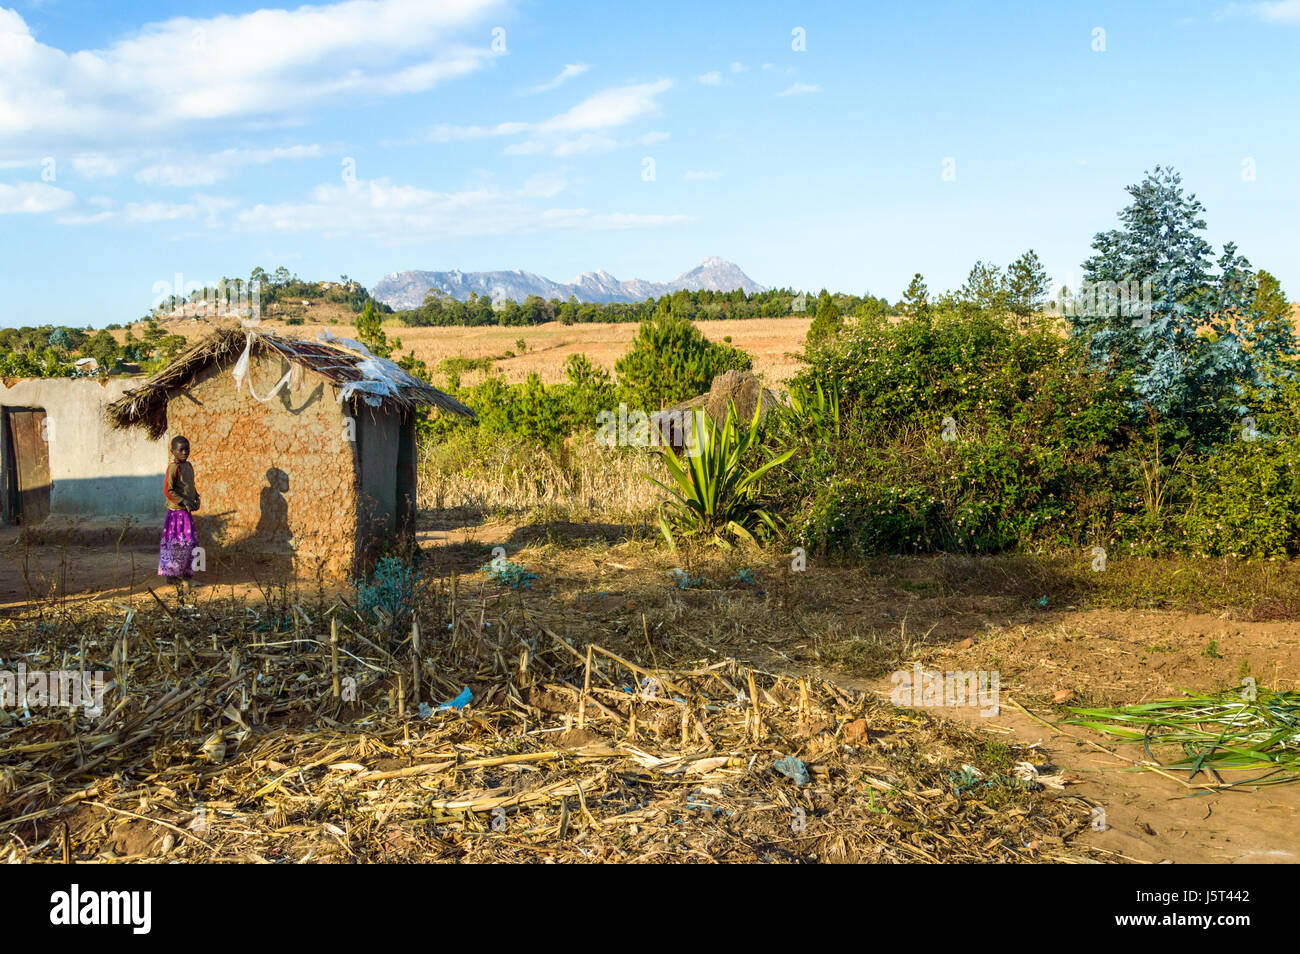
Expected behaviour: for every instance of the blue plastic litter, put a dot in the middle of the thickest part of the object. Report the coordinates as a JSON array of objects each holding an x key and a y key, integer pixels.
[
  {"x": 460, "y": 702},
  {"x": 513, "y": 575},
  {"x": 683, "y": 579},
  {"x": 793, "y": 769}
]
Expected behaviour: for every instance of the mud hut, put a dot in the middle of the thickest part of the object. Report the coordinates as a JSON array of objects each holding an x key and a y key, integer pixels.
[{"x": 304, "y": 450}]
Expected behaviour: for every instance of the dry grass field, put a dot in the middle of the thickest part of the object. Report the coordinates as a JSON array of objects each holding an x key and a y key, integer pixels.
[{"x": 771, "y": 341}]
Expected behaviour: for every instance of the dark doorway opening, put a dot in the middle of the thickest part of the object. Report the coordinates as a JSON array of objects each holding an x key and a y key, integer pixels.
[
  {"x": 26, "y": 452},
  {"x": 405, "y": 496}
]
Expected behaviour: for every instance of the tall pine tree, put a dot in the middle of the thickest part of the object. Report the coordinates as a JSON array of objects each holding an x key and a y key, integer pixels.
[{"x": 1189, "y": 359}]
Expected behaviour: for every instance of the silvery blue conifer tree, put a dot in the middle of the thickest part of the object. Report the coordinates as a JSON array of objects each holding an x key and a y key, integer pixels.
[{"x": 1197, "y": 351}]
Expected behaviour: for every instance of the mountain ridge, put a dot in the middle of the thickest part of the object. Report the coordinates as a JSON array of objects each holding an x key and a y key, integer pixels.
[{"x": 407, "y": 289}]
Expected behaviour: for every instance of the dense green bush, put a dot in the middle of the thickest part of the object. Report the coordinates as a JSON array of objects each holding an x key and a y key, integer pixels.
[
  {"x": 544, "y": 413},
  {"x": 670, "y": 361},
  {"x": 956, "y": 433},
  {"x": 1245, "y": 500}
]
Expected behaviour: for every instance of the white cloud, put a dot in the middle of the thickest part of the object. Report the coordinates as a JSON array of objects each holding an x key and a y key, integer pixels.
[
  {"x": 264, "y": 63},
  {"x": 800, "y": 89},
  {"x": 738, "y": 67},
  {"x": 33, "y": 197},
  {"x": 529, "y": 147},
  {"x": 574, "y": 131},
  {"x": 206, "y": 170},
  {"x": 96, "y": 165},
  {"x": 697, "y": 175},
  {"x": 545, "y": 185},
  {"x": 158, "y": 211},
  {"x": 711, "y": 79},
  {"x": 611, "y": 107},
  {"x": 445, "y": 133},
  {"x": 208, "y": 208},
  {"x": 587, "y": 144},
  {"x": 392, "y": 214},
  {"x": 1281, "y": 11},
  {"x": 90, "y": 219},
  {"x": 566, "y": 74}
]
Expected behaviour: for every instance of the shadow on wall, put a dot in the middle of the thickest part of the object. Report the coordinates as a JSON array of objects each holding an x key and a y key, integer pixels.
[
  {"x": 273, "y": 513},
  {"x": 102, "y": 498},
  {"x": 269, "y": 547}
]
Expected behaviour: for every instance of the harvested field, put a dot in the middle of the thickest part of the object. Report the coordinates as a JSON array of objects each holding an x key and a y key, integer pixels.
[
  {"x": 1061, "y": 636},
  {"x": 771, "y": 341},
  {"x": 225, "y": 737}
]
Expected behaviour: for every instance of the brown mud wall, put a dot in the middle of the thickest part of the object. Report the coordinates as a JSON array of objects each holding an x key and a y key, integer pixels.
[{"x": 277, "y": 478}]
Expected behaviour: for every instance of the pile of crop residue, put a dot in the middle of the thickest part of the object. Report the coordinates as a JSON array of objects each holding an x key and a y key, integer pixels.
[{"x": 237, "y": 733}]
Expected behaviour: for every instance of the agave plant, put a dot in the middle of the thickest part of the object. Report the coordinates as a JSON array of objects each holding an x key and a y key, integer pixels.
[
  {"x": 712, "y": 492},
  {"x": 814, "y": 413}
]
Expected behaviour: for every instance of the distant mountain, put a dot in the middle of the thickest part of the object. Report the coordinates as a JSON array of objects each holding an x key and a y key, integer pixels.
[{"x": 407, "y": 289}]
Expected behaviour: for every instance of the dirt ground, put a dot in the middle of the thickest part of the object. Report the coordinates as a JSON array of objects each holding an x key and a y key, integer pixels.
[{"x": 858, "y": 624}]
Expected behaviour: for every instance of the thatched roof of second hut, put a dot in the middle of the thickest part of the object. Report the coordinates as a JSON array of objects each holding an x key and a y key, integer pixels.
[{"x": 334, "y": 359}]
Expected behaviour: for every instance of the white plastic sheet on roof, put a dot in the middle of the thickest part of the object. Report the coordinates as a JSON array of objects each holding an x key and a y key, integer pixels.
[
  {"x": 240, "y": 371},
  {"x": 380, "y": 378}
]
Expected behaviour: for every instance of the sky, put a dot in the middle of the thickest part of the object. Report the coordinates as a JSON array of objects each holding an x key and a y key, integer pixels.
[{"x": 817, "y": 145}]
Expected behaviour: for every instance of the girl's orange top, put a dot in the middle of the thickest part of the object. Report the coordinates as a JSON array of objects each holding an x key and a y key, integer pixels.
[{"x": 178, "y": 486}]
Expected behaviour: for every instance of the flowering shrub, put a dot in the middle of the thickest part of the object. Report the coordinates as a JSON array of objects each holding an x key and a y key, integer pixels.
[
  {"x": 1246, "y": 500},
  {"x": 957, "y": 432}
]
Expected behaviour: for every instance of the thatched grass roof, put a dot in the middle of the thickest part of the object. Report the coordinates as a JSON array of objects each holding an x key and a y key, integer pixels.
[{"x": 146, "y": 405}]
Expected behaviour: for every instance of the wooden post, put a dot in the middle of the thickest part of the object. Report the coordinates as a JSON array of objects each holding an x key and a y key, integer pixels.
[
  {"x": 334, "y": 655},
  {"x": 586, "y": 688},
  {"x": 415, "y": 661}
]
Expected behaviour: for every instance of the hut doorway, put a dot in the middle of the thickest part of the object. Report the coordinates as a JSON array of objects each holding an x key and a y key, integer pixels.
[
  {"x": 26, "y": 464},
  {"x": 405, "y": 497}
]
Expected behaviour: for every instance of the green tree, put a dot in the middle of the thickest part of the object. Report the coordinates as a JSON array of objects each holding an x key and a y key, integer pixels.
[
  {"x": 1268, "y": 327},
  {"x": 916, "y": 298},
  {"x": 103, "y": 348},
  {"x": 985, "y": 289},
  {"x": 1187, "y": 360},
  {"x": 370, "y": 332},
  {"x": 1026, "y": 285},
  {"x": 826, "y": 323},
  {"x": 670, "y": 361}
]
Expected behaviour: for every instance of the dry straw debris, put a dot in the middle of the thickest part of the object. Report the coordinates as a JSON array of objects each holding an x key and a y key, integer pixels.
[{"x": 299, "y": 731}]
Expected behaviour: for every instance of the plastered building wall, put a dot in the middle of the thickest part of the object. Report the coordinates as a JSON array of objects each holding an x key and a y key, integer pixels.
[
  {"x": 95, "y": 471},
  {"x": 278, "y": 477}
]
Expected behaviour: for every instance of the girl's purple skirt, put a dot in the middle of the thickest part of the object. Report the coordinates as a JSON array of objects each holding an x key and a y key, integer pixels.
[{"x": 176, "y": 552}]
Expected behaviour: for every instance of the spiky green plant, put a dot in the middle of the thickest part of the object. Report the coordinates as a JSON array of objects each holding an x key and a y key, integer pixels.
[
  {"x": 713, "y": 494},
  {"x": 815, "y": 412}
]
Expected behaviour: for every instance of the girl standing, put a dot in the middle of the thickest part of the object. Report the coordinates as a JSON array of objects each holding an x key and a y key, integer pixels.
[{"x": 176, "y": 551}]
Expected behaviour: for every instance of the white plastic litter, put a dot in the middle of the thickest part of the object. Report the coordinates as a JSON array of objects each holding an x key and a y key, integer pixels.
[
  {"x": 240, "y": 372},
  {"x": 380, "y": 378}
]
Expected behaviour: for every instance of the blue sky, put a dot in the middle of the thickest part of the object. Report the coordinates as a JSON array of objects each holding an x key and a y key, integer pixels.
[{"x": 142, "y": 140}]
